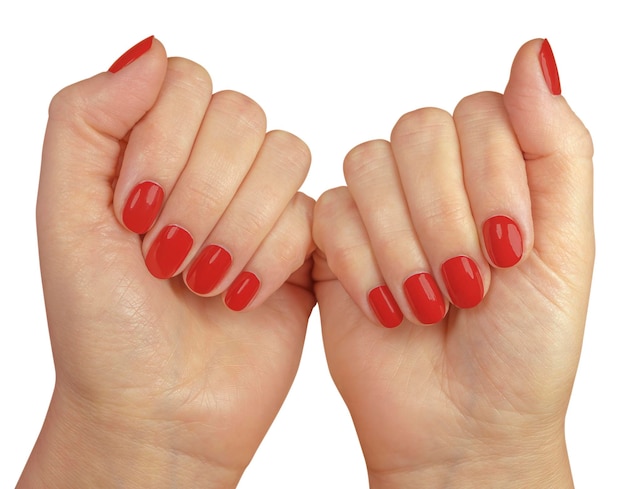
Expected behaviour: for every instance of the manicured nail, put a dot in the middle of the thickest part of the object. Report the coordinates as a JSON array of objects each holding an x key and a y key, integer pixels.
[
  {"x": 132, "y": 54},
  {"x": 548, "y": 66},
  {"x": 463, "y": 281},
  {"x": 142, "y": 207},
  {"x": 425, "y": 298},
  {"x": 385, "y": 307},
  {"x": 208, "y": 269},
  {"x": 168, "y": 251},
  {"x": 242, "y": 291},
  {"x": 503, "y": 241}
]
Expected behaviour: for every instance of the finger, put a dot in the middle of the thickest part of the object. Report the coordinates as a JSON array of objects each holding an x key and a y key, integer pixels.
[
  {"x": 427, "y": 152},
  {"x": 160, "y": 144},
  {"x": 283, "y": 252},
  {"x": 226, "y": 145},
  {"x": 279, "y": 170},
  {"x": 495, "y": 178},
  {"x": 558, "y": 153},
  {"x": 373, "y": 181},
  {"x": 341, "y": 236},
  {"x": 87, "y": 122}
]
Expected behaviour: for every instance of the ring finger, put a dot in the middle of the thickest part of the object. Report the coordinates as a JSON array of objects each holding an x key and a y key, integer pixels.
[{"x": 371, "y": 173}]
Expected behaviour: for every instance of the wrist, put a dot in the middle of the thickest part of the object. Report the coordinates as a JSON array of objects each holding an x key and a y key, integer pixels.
[
  {"x": 547, "y": 466},
  {"x": 81, "y": 447}
]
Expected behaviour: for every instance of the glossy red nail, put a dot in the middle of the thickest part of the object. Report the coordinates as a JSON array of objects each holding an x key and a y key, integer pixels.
[
  {"x": 142, "y": 207},
  {"x": 132, "y": 54},
  {"x": 548, "y": 66},
  {"x": 463, "y": 281},
  {"x": 385, "y": 307},
  {"x": 208, "y": 269},
  {"x": 242, "y": 291},
  {"x": 425, "y": 298},
  {"x": 503, "y": 241},
  {"x": 168, "y": 251}
]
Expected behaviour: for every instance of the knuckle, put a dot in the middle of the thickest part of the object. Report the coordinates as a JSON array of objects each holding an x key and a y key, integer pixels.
[
  {"x": 291, "y": 253},
  {"x": 478, "y": 103},
  {"x": 68, "y": 104},
  {"x": 428, "y": 123},
  {"x": 253, "y": 221},
  {"x": 189, "y": 76},
  {"x": 326, "y": 211},
  {"x": 244, "y": 112},
  {"x": 294, "y": 233},
  {"x": 443, "y": 209},
  {"x": 391, "y": 246},
  {"x": 304, "y": 205},
  {"x": 293, "y": 154},
  {"x": 365, "y": 158},
  {"x": 204, "y": 196},
  {"x": 343, "y": 256}
]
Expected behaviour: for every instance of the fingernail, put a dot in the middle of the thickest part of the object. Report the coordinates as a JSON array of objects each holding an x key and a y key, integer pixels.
[
  {"x": 168, "y": 251},
  {"x": 463, "y": 281},
  {"x": 132, "y": 54},
  {"x": 503, "y": 241},
  {"x": 548, "y": 66},
  {"x": 385, "y": 307},
  {"x": 208, "y": 269},
  {"x": 242, "y": 291},
  {"x": 425, "y": 298},
  {"x": 142, "y": 207}
]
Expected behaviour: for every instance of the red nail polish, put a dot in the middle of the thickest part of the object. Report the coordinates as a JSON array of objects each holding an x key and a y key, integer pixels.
[
  {"x": 208, "y": 269},
  {"x": 548, "y": 66},
  {"x": 168, "y": 251},
  {"x": 142, "y": 207},
  {"x": 463, "y": 281},
  {"x": 242, "y": 291},
  {"x": 503, "y": 241},
  {"x": 132, "y": 54},
  {"x": 385, "y": 307},
  {"x": 425, "y": 298}
]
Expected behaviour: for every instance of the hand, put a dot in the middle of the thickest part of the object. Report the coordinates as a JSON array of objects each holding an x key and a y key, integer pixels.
[
  {"x": 147, "y": 174},
  {"x": 480, "y": 221}
]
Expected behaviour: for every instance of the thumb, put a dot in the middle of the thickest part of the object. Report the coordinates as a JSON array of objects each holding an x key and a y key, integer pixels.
[
  {"x": 85, "y": 138},
  {"x": 558, "y": 153}
]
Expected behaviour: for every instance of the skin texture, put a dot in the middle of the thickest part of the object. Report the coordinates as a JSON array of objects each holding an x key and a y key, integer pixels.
[
  {"x": 158, "y": 386},
  {"x": 479, "y": 399}
]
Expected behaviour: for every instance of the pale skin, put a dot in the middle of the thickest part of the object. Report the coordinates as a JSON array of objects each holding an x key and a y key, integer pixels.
[{"x": 158, "y": 386}]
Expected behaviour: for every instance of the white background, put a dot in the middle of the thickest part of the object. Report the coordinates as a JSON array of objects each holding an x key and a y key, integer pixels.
[{"x": 334, "y": 73}]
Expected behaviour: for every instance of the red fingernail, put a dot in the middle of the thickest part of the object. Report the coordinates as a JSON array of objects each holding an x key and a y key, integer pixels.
[
  {"x": 142, "y": 207},
  {"x": 425, "y": 298},
  {"x": 385, "y": 307},
  {"x": 132, "y": 54},
  {"x": 208, "y": 269},
  {"x": 463, "y": 281},
  {"x": 168, "y": 251},
  {"x": 242, "y": 291},
  {"x": 548, "y": 66},
  {"x": 503, "y": 241}
]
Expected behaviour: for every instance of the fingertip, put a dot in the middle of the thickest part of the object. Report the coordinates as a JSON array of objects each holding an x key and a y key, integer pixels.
[
  {"x": 540, "y": 116},
  {"x": 504, "y": 242},
  {"x": 242, "y": 291},
  {"x": 535, "y": 61},
  {"x": 549, "y": 68},
  {"x": 384, "y": 307},
  {"x": 150, "y": 47}
]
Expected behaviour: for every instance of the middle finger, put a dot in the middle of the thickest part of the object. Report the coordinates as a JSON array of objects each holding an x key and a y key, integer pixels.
[{"x": 426, "y": 148}]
